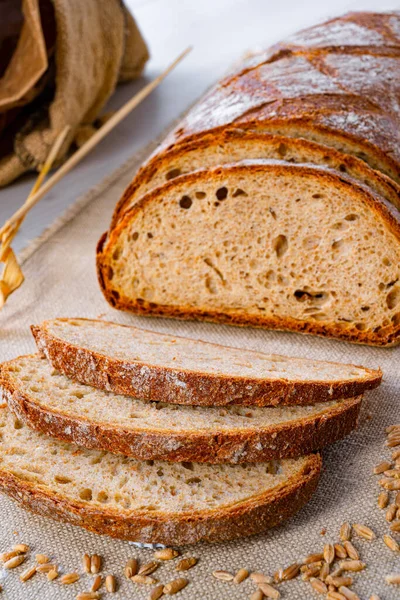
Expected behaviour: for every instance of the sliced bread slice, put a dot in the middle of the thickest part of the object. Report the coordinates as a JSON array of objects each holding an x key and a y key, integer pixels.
[
  {"x": 264, "y": 243},
  {"x": 156, "y": 502},
  {"x": 53, "y": 404},
  {"x": 166, "y": 368},
  {"x": 235, "y": 145}
]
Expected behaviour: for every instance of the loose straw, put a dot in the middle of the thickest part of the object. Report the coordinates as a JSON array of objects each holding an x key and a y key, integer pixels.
[{"x": 12, "y": 275}]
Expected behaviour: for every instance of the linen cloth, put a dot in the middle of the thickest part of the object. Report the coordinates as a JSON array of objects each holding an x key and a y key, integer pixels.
[{"x": 61, "y": 281}]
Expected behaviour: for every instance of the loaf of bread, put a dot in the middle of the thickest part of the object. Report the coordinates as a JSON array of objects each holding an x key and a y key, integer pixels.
[
  {"x": 156, "y": 502},
  {"x": 276, "y": 202}
]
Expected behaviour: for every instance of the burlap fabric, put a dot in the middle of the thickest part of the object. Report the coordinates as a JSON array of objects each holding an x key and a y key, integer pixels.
[
  {"x": 61, "y": 281},
  {"x": 92, "y": 45}
]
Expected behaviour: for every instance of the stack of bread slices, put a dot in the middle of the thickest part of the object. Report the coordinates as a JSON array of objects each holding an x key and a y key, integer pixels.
[{"x": 162, "y": 439}]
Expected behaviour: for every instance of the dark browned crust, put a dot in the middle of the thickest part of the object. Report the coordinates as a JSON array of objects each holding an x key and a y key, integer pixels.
[
  {"x": 205, "y": 389},
  {"x": 221, "y": 137},
  {"x": 247, "y": 518},
  {"x": 387, "y": 336},
  {"x": 286, "y": 440}
]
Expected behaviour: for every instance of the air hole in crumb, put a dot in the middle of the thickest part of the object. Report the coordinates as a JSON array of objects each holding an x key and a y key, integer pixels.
[
  {"x": 342, "y": 168},
  {"x": 188, "y": 465},
  {"x": 85, "y": 494},
  {"x": 239, "y": 192},
  {"x": 110, "y": 273},
  {"x": 352, "y": 217},
  {"x": 396, "y": 319},
  {"x": 365, "y": 308},
  {"x": 280, "y": 245},
  {"x": 78, "y": 395},
  {"x": 282, "y": 149},
  {"x": 115, "y": 294},
  {"x": 393, "y": 298},
  {"x": 102, "y": 497},
  {"x": 273, "y": 213},
  {"x": 222, "y": 193},
  {"x": 160, "y": 472},
  {"x": 149, "y": 235},
  {"x": 185, "y": 202},
  {"x": 172, "y": 174},
  {"x": 192, "y": 480},
  {"x": 317, "y": 196},
  {"x": 361, "y": 326},
  {"x": 62, "y": 479},
  {"x": 116, "y": 254},
  {"x": 386, "y": 262},
  {"x": 17, "y": 424},
  {"x": 200, "y": 195}
]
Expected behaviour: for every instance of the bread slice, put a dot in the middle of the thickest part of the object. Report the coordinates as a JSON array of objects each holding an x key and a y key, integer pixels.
[
  {"x": 232, "y": 146},
  {"x": 53, "y": 404},
  {"x": 156, "y": 502},
  {"x": 265, "y": 243},
  {"x": 177, "y": 370}
]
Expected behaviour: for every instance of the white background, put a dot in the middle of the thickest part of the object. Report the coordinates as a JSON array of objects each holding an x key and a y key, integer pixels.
[{"x": 220, "y": 31}]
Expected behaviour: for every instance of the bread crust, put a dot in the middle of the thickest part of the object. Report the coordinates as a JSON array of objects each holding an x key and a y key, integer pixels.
[
  {"x": 285, "y": 440},
  {"x": 249, "y": 517},
  {"x": 194, "y": 387},
  {"x": 161, "y": 161},
  {"x": 387, "y": 336}
]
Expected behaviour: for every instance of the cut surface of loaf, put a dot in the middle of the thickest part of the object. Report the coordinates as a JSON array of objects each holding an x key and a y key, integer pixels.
[
  {"x": 232, "y": 146},
  {"x": 156, "y": 502},
  {"x": 177, "y": 370},
  {"x": 55, "y": 405},
  {"x": 265, "y": 243}
]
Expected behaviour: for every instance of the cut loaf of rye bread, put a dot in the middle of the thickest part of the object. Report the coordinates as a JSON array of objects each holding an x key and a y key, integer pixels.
[
  {"x": 264, "y": 243},
  {"x": 155, "y": 502},
  {"x": 55, "y": 405},
  {"x": 177, "y": 370}
]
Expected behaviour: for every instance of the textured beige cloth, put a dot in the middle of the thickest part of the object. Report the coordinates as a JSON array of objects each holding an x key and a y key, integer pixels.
[{"x": 61, "y": 281}]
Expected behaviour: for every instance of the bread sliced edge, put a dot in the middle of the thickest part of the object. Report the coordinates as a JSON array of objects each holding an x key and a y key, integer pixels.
[
  {"x": 247, "y": 517},
  {"x": 196, "y": 387},
  {"x": 281, "y": 440}
]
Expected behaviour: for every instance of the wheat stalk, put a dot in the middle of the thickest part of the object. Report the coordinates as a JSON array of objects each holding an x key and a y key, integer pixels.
[{"x": 12, "y": 276}]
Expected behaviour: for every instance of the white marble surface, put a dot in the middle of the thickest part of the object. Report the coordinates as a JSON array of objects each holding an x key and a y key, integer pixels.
[{"x": 220, "y": 31}]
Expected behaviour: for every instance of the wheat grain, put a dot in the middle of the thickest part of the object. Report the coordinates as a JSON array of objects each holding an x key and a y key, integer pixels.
[
  {"x": 349, "y": 594},
  {"x": 131, "y": 568},
  {"x": 241, "y": 575},
  {"x": 97, "y": 582},
  {"x": 363, "y": 531},
  {"x": 269, "y": 591},
  {"x": 223, "y": 575},
  {"x": 166, "y": 554},
  {"x": 383, "y": 499},
  {"x": 28, "y": 573},
  {"x": 69, "y": 578},
  {"x": 351, "y": 551},
  {"x": 186, "y": 563},
  {"x": 111, "y": 584},
  {"x": 14, "y": 562},
  {"x": 393, "y": 579},
  {"x": 318, "y": 585},
  {"x": 175, "y": 586},
  {"x": 157, "y": 592}
]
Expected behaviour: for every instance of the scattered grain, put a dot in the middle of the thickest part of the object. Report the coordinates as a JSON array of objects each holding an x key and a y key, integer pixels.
[
  {"x": 175, "y": 586},
  {"x": 14, "y": 562},
  {"x": 391, "y": 512},
  {"x": 363, "y": 531},
  {"x": 351, "y": 551},
  {"x": 69, "y": 578},
  {"x": 148, "y": 568},
  {"x": 111, "y": 584},
  {"x": 131, "y": 568},
  {"x": 42, "y": 559},
  {"x": 340, "y": 551},
  {"x": 53, "y": 574},
  {"x": 257, "y": 595},
  {"x": 329, "y": 553},
  {"x": 157, "y": 592},
  {"x": 382, "y": 467},
  {"x": 393, "y": 579},
  {"x": 260, "y": 578},
  {"x": 166, "y": 554},
  {"x": 338, "y": 581},
  {"x": 269, "y": 591},
  {"x": 88, "y": 596},
  {"x": 383, "y": 499},
  {"x": 345, "y": 532},
  {"x": 186, "y": 563},
  {"x": 391, "y": 543},
  {"x": 223, "y": 575},
  {"x": 318, "y": 585},
  {"x": 45, "y": 568},
  {"x": 145, "y": 579},
  {"x": 86, "y": 563},
  {"x": 21, "y": 548},
  {"x": 97, "y": 582},
  {"x": 28, "y": 573},
  {"x": 311, "y": 558},
  {"x": 349, "y": 594},
  {"x": 241, "y": 575},
  {"x": 95, "y": 564},
  {"x": 352, "y": 565}
]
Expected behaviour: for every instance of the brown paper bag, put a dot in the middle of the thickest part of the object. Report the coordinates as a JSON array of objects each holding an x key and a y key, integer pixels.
[{"x": 69, "y": 56}]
